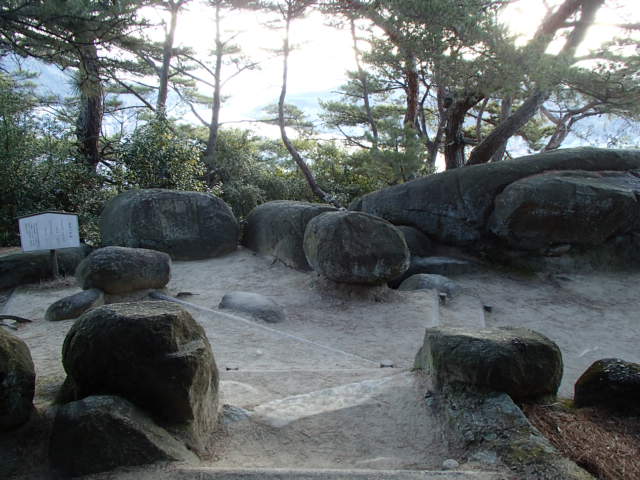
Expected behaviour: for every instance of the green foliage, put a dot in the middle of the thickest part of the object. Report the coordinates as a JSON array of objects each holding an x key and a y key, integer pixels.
[
  {"x": 37, "y": 167},
  {"x": 156, "y": 155}
]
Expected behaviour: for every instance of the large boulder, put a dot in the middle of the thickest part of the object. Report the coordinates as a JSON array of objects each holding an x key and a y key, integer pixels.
[
  {"x": 17, "y": 381},
  {"x": 453, "y": 207},
  {"x": 118, "y": 270},
  {"x": 572, "y": 207},
  {"x": 29, "y": 267},
  {"x": 419, "y": 244},
  {"x": 517, "y": 361},
  {"x": 153, "y": 354},
  {"x": 253, "y": 305},
  {"x": 74, "y": 305},
  {"x": 100, "y": 433},
  {"x": 610, "y": 383},
  {"x": 277, "y": 229},
  {"x": 186, "y": 225},
  {"x": 353, "y": 247}
]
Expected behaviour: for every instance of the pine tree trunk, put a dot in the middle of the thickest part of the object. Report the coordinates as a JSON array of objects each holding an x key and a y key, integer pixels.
[
  {"x": 306, "y": 171},
  {"x": 212, "y": 141},
  {"x": 167, "y": 55},
  {"x": 89, "y": 123}
]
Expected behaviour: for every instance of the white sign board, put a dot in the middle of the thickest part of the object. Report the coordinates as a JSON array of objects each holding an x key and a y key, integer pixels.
[{"x": 49, "y": 231}]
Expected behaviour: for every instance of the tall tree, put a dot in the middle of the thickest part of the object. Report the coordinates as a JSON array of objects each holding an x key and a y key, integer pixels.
[
  {"x": 291, "y": 10},
  {"x": 73, "y": 35}
]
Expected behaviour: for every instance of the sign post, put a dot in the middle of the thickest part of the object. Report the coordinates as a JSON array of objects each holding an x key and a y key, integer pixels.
[{"x": 49, "y": 231}]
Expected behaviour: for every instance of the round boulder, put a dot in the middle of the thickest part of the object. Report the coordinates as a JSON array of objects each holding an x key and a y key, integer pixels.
[
  {"x": 186, "y": 225},
  {"x": 253, "y": 305},
  {"x": 74, "y": 305},
  {"x": 121, "y": 270},
  {"x": 153, "y": 354},
  {"x": 354, "y": 247},
  {"x": 277, "y": 229},
  {"x": 518, "y": 361},
  {"x": 610, "y": 383},
  {"x": 17, "y": 381}
]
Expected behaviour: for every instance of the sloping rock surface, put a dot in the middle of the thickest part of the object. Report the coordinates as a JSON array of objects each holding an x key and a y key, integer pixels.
[
  {"x": 574, "y": 207},
  {"x": 454, "y": 207},
  {"x": 100, "y": 433},
  {"x": 186, "y": 225}
]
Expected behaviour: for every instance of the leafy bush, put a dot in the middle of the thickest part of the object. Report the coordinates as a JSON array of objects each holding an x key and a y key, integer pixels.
[{"x": 156, "y": 155}]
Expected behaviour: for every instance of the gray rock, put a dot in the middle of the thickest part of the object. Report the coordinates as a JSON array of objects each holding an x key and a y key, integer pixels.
[
  {"x": 254, "y": 305},
  {"x": 450, "y": 464},
  {"x": 153, "y": 354},
  {"x": 353, "y": 247},
  {"x": 419, "y": 244},
  {"x": 520, "y": 362},
  {"x": 491, "y": 429},
  {"x": 572, "y": 207},
  {"x": 277, "y": 229},
  {"x": 74, "y": 305},
  {"x": 186, "y": 225},
  {"x": 121, "y": 270},
  {"x": 233, "y": 414},
  {"x": 610, "y": 383},
  {"x": 22, "y": 268},
  {"x": 17, "y": 381},
  {"x": 100, "y": 433},
  {"x": 452, "y": 207},
  {"x": 426, "y": 281},
  {"x": 445, "y": 266}
]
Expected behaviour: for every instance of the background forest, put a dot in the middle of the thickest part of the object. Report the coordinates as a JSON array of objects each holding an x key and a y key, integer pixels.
[{"x": 434, "y": 84}]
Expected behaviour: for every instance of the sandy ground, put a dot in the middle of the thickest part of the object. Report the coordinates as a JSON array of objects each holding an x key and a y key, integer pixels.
[{"x": 312, "y": 385}]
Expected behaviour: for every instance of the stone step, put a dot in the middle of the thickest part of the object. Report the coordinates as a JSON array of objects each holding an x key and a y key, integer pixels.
[{"x": 317, "y": 474}]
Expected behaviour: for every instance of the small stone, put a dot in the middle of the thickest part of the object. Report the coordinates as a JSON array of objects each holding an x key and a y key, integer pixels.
[
  {"x": 253, "y": 305},
  {"x": 232, "y": 414},
  {"x": 485, "y": 456},
  {"x": 386, "y": 364},
  {"x": 74, "y": 305},
  {"x": 450, "y": 464}
]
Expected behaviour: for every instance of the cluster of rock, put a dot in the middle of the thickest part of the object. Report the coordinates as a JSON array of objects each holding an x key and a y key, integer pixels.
[
  {"x": 525, "y": 365},
  {"x": 141, "y": 379},
  {"x": 142, "y": 382},
  {"x": 348, "y": 247},
  {"x": 142, "y": 386},
  {"x": 573, "y": 203}
]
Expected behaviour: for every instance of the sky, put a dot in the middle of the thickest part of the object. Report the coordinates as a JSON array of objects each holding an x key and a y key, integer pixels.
[{"x": 317, "y": 67}]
